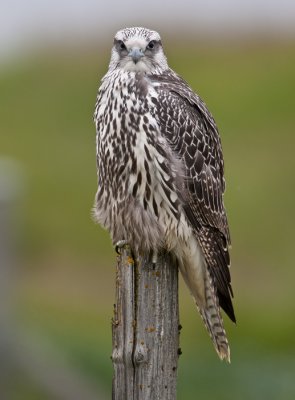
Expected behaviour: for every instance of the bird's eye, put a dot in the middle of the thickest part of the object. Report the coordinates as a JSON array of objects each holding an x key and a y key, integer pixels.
[
  {"x": 121, "y": 45},
  {"x": 151, "y": 45}
]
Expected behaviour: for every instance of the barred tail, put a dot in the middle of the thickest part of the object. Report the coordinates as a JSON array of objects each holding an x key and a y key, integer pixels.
[{"x": 212, "y": 318}]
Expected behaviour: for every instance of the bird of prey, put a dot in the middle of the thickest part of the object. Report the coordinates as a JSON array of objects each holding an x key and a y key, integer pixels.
[{"x": 161, "y": 172}]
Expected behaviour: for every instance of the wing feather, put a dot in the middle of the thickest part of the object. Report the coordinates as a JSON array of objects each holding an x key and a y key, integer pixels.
[{"x": 192, "y": 135}]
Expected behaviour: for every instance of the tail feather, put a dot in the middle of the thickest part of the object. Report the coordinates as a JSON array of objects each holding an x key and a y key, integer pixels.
[
  {"x": 197, "y": 276},
  {"x": 212, "y": 318}
]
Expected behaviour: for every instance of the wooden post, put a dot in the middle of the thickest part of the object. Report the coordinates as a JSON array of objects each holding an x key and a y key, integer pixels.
[{"x": 145, "y": 328}]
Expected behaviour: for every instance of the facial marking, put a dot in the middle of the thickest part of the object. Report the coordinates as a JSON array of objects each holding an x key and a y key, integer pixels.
[
  {"x": 130, "y": 43},
  {"x": 137, "y": 42}
]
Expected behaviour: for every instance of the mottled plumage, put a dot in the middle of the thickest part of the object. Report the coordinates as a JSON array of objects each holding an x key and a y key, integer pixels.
[{"x": 161, "y": 172}]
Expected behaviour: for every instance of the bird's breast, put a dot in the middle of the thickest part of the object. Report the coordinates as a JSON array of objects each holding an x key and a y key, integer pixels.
[
  {"x": 133, "y": 157},
  {"x": 126, "y": 128}
]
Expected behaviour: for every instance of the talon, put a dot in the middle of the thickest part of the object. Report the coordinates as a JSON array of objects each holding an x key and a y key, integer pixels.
[
  {"x": 119, "y": 245},
  {"x": 154, "y": 258}
]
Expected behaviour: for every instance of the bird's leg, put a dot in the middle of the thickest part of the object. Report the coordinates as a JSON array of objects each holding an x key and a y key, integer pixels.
[{"x": 119, "y": 245}]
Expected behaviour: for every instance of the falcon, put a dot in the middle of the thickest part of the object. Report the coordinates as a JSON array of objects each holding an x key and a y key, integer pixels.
[{"x": 161, "y": 172}]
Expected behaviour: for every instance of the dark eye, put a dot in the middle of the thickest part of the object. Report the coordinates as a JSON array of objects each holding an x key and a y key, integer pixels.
[
  {"x": 121, "y": 45},
  {"x": 151, "y": 45}
]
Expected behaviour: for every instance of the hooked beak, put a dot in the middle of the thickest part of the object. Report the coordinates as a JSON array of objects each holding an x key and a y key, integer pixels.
[{"x": 136, "y": 54}]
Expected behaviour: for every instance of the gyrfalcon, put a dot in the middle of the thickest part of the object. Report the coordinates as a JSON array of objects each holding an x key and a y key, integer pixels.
[{"x": 161, "y": 172}]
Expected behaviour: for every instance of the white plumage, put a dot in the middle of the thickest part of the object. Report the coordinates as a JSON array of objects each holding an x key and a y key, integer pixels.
[{"x": 160, "y": 172}]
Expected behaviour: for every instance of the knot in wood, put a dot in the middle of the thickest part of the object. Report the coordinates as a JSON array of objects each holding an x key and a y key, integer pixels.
[{"x": 140, "y": 355}]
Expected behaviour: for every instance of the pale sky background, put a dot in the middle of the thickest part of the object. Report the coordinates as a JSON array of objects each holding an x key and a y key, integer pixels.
[{"x": 27, "y": 23}]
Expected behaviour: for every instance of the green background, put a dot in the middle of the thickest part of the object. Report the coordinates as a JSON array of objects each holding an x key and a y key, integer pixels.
[{"x": 63, "y": 290}]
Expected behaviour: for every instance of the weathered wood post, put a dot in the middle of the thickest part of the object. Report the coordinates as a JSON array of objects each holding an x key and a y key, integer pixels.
[{"x": 145, "y": 328}]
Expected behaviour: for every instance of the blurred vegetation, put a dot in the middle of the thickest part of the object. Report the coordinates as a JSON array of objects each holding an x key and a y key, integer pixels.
[{"x": 66, "y": 287}]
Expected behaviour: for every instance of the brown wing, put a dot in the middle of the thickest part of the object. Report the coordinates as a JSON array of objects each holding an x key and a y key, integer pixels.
[{"x": 193, "y": 136}]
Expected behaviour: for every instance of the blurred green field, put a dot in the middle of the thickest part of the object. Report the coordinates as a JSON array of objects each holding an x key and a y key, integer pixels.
[{"x": 65, "y": 290}]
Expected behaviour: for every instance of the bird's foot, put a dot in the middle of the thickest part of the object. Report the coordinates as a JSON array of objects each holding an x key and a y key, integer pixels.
[
  {"x": 154, "y": 258},
  {"x": 119, "y": 245}
]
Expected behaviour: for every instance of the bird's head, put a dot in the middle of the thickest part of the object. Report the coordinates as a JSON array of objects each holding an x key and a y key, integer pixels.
[{"x": 139, "y": 50}]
